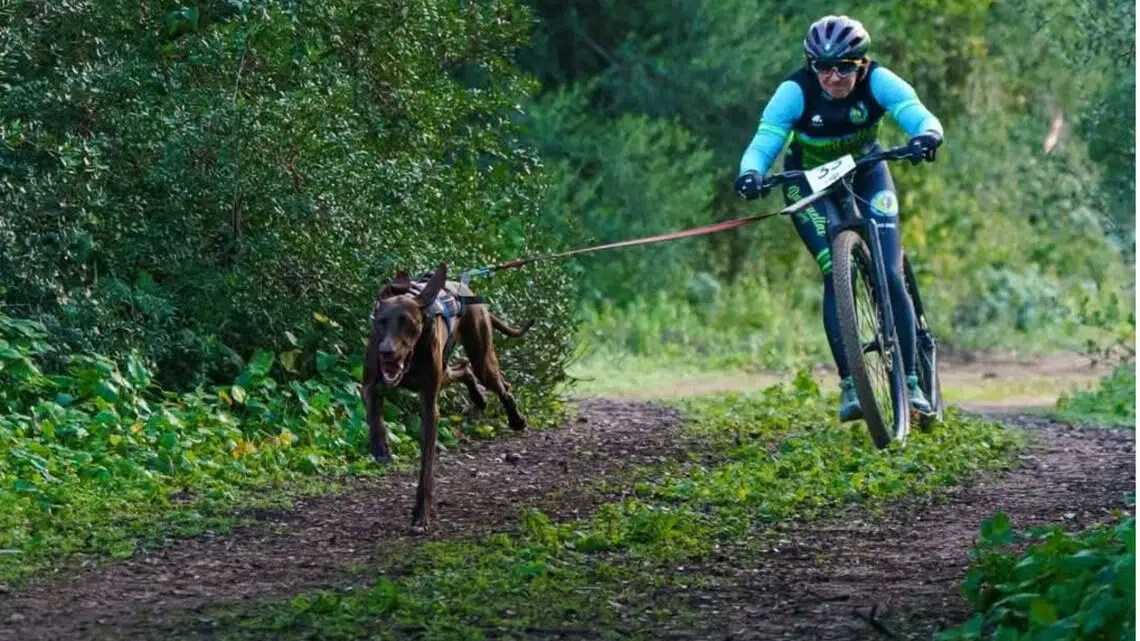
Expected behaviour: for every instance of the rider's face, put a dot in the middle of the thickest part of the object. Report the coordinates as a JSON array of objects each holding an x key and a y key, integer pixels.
[{"x": 836, "y": 85}]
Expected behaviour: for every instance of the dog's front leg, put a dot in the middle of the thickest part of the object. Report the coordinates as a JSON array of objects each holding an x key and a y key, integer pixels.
[
  {"x": 377, "y": 431},
  {"x": 425, "y": 498},
  {"x": 374, "y": 409}
]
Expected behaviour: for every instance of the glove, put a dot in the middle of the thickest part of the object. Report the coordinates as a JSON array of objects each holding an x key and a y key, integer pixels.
[
  {"x": 928, "y": 142},
  {"x": 750, "y": 186}
]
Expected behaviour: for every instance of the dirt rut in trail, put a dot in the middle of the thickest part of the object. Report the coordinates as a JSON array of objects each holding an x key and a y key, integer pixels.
[
  {"x": 480, "y": 489},
  {"x": 821, "y": 581}
]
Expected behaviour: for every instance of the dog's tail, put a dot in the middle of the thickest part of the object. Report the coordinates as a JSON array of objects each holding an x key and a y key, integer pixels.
[{"x": 513, "y": 332}]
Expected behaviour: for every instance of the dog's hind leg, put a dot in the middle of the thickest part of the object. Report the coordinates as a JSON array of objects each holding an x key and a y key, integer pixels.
[
  {"x": 479, "y": 345},
  {"x": 498, "y": 384},
  {"x": 487, "y": 371},
  {"x": 461, "y": 371}
]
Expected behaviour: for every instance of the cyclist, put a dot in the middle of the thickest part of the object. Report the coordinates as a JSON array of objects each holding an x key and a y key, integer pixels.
[{"x": 830, "y": 107}]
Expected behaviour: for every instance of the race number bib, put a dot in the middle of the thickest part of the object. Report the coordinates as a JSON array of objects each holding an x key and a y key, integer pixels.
[{"x": 828, "y": 174}]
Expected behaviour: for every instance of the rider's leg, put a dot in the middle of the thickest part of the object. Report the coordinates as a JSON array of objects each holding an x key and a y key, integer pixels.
[
  {"x": 811, "y": 225},
  {"x": 876, "y": 187}
]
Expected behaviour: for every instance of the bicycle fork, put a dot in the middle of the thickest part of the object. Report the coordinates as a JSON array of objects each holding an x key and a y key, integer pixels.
[{"x": 888, "y": 342}]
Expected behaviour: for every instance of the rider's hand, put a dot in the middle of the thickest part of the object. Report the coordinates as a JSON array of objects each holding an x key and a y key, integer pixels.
[
  {"x": 765, "y": 187},
  {"x": 750, "y": 186},
  {"x": 927, "y": 142}
]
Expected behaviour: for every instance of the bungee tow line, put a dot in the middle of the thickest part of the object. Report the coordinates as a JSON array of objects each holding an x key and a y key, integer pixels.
[{"x": 465, "y": 277}]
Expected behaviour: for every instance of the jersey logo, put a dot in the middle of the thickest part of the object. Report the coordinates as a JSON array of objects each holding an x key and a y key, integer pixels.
[
  {"x": 817, "y": 121},
  {"x": 858, "y": 113}
]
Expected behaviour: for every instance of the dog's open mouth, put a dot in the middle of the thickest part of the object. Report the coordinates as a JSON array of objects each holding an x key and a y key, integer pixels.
[{"x": 392, "y": 371}]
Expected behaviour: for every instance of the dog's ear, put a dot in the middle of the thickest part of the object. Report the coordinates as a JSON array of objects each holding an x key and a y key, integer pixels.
[
  {"x": 401, "y": 284},
  {"x": 431, "y": 290}
]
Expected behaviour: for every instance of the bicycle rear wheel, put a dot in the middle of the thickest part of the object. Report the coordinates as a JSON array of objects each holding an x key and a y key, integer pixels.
[
  {"x": 873, "y": 357},
  {"x": 926, "y": 354}
]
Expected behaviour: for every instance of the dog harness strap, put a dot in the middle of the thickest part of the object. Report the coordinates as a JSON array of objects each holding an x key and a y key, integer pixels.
[{"x": 447, "y": 305}]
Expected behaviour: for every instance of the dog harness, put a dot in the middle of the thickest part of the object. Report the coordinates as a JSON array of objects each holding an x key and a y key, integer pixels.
[{"x": 447, "y": 305}]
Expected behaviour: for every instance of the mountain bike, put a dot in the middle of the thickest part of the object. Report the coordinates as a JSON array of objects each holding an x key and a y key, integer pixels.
[{"x": 866, "y": 321}]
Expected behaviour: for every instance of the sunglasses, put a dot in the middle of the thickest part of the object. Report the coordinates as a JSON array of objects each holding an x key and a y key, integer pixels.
[{"x": 842, "y": 67}]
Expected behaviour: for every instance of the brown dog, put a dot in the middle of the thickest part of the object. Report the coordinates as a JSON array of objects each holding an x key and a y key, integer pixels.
[{"x": 407, "y": 348}]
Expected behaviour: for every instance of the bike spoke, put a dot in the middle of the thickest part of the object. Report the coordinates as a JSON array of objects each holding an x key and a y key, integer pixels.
[{"x": 876, "y": 360}]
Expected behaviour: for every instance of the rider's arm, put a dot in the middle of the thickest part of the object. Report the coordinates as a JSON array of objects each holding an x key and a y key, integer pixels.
[
  {"x": 901, "y": 101},
  {"x": 781, "y": 113}
]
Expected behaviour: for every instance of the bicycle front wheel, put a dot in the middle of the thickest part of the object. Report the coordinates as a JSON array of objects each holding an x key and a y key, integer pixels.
[{"x": 873, "y": 357}]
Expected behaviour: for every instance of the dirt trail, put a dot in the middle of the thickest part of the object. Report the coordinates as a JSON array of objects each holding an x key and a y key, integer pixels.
[
  {"x": 990, "y": 383},
  {"x": 480, "y": 489},
  {"x": 811, "y": 587},
  {"x": 823, "y": 580}
]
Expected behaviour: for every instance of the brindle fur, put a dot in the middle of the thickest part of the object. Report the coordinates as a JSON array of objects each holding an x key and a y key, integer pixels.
[{"x": 402, "y": 332}]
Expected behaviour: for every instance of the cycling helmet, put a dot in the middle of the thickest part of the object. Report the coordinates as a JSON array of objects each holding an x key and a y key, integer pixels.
[{"x": 836, "y": 38}]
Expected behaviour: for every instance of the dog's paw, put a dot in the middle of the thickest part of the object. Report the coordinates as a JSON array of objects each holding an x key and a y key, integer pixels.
[
  {"x": 419, "y": 525},
  {"x": 518, "y": 424}
]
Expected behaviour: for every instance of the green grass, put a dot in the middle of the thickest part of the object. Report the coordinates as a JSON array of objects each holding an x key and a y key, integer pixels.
[
  {"x": 757, "y": 460},
  {"x": 753, "y": 326},
  {"x": 747, "y": 327},
  {"x": 965, "y": 386},
  {"x": 1113, "y": 401},
  {"x": 665, "y": 340},
  {"x": 1046, "y": 583}
]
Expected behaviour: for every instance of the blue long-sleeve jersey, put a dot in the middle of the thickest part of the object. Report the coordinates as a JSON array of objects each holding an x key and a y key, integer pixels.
[{"x": 822, "y": 128}]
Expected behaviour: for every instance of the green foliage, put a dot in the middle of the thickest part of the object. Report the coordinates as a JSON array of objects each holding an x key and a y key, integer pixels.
[
  {"x": 199, "y": 182},
  {"x": 97, "y": 458},
  {"x": 1113, "y": 401},
  {"x": 1063, "y": 586},
  {"x": 1013, "y": 246},
  {"x": 1096, "y": 41},
  {"x": 755, "y": 460},
  {"x": 746, "y": 327},
  {"x": 633, "y": 177},
  {"x": 783, "y": 463}
]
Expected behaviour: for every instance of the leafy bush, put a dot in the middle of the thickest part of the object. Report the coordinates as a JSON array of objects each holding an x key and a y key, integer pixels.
[
  {"x": 1064, "y": 586},
  {"x": 199, "y": 182},
  {"x": 747, "y": 327},
  {"x": 1113, "y": 400}
]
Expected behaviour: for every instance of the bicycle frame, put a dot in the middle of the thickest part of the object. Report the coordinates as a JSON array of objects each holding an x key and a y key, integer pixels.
[{"x": 851, "y": 218}]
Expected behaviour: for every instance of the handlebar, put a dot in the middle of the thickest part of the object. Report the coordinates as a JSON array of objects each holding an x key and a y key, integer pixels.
[{"x": 902, "y": 152}]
